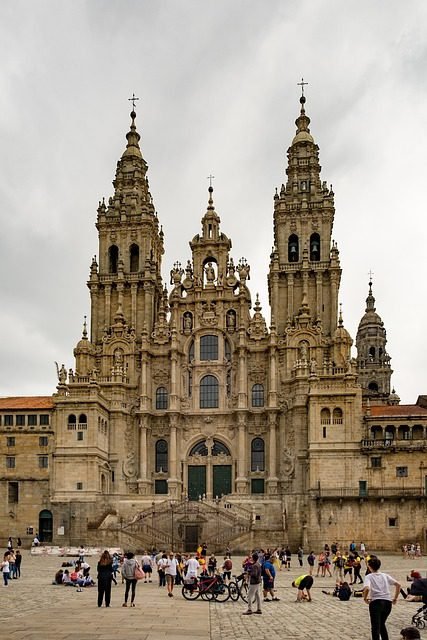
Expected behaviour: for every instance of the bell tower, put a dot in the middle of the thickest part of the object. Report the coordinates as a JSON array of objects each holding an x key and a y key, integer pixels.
[
  {"x": 373, "y": 361},
  {"x": 305, "y": 271},
  {"x": 127, "y": 281}
]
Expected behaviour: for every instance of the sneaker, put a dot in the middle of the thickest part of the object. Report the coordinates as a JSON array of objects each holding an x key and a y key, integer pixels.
[
  {"x": 258, "y": 611},
  {"x": 247, "y": 613},
  {"x": 145, "y": 581},
  {"x": 276, "y": 600},
  {"x": 132, "y": 604},
  {"x": 267, "y": 600},
  {"x": 124, "y": 604}
]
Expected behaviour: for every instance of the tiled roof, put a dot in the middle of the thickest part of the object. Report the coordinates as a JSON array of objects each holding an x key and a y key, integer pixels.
[
  {"x": 398, "y": 410},
  {"x": 19, "y": 403}
]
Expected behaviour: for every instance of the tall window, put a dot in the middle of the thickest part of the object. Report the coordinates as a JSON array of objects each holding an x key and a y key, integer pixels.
[
  {"x": 257, "y": 454},
  {"x": 209, "y": 348},
  {"x": 325, "y": 416},
  {"x": 337, "y": 416},
  {"x": 293, "y": 248},
  {"x": 32, "y": 420},
  {"x": 314, "y": 247},
  {"x": 82, "y": 419},
  {"x": 209, "y": 393},
  {"x": 161, "y": 398},
  {"x": 12, "y": 492},
  {"x": 20, "y": 421},
  {"x": 113, "y": 258},
  {"x": 161, "y": 456},
  {"x": 72, "y": 421},
  {"x": 134, "y": 258},
  {"x": 258, "y": 395}
]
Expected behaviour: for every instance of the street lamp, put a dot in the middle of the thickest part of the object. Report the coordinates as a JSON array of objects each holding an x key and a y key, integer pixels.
[
  {"x": 172, "y": 541},
  {"x": 152, "y": 526}
]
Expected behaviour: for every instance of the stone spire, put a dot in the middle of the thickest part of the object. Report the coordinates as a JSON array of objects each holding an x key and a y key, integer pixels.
[{"x": 373, "y": 361}]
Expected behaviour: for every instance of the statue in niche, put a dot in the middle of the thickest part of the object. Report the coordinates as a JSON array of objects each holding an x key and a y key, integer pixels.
[
  {"x": 231, "y": 321},
  {"x": 188, "y": 322},
  {"x": 288, "y": 463},
  {"x": 210, "y": 273},
  {"x": 304, "y": 351},
  {"x": 118, "y": 358}
]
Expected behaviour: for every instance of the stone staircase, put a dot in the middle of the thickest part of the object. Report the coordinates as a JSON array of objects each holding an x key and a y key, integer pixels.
[{"x": 184, "y": 524}]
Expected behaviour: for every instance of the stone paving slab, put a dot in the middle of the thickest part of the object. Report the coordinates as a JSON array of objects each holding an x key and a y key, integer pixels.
[{"x": 34, "y": 609}]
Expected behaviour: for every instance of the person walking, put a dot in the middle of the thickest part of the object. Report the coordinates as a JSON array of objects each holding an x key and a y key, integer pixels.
[
  {"x": 254, "y": 571},
  {"x": 5, "y": 568},
  {"x": 128, "y": 572},
  {"x": 18, "y": 560},
  {"x": 376, "y": 594},
  {"x": 105, "y": 577},
  {"x": 170, "y": 572}
]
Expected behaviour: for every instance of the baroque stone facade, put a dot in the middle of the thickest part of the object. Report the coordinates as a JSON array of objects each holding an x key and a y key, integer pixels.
[{"x": 187, "y": 417}]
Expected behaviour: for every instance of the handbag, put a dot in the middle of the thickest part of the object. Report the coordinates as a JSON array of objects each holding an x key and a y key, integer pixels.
[{"x": 139, "y": 574}]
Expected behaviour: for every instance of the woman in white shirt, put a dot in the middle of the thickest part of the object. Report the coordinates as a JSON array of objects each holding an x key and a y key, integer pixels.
[{"x": 376, "y": 593}]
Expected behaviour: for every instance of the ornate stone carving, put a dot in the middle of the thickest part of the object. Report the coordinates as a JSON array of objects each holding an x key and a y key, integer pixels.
[
  {"x": 208, "y": 317},
  {"x": 129, "y": 464},
  {"x": 288, "y": 463},
  {"x": 160, "y": 375},
  {"x": 257, "y": 326}
]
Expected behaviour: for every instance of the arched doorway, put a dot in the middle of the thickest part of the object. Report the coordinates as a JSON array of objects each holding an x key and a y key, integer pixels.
[
  {"x": 45, "y": 526},
  {"x": 209, "y": 470}
]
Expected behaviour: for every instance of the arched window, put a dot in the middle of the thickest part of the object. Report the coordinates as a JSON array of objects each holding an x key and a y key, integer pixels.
[
  {"x": 209, "y": 348},
  {"x": 257, "y": 454},
  {"x": 134, "y": 258},
  {"x": 161, "y": 398},
  {"x": 371, "y": 353},
  {"x": 337, "y": 416},
  {"x": 82, "y": 418},
  {"x": 199, "y": 449},
  {"x": 390, "y": 432},
  {"x": 258, "y": 395},
  {"x": 209, "y": 392},
  {"x": 161, "y": 456},
  {"x": 403, "y": 432},
  {"x": 417, "y": 432},
  {"x": 315, "y": 247},
  {"x": 218, "y": 448},
  {"x": 377, "y": 433},
  {"x": 293, "y": 248},
  {"x": 72, "y": 419},
  {"x": 325, "y": 416},
  {"x": 113, "y": 258},
  {"x": 373, "y": 386}
]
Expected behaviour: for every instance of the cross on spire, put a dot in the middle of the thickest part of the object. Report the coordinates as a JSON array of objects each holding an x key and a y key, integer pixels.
[
  {"x": 210, "y": 178},
  {"x": 302, "y": 84},
  {"x": 133, "y": 100},
  {"x": 371, "y": 273}
]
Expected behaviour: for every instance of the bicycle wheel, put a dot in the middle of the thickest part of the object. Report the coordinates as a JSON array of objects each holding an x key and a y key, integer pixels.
[
  {"x": 190, "y": 592},
  {"x": 221, "y": 592},
  {"x": 234, "y": 591},
  {"x": 244, "y": 591},
  {"x": 207, "y": 594}
]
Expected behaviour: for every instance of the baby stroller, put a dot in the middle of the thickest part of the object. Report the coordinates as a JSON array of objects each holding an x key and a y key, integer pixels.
[{"x": 419, "y": 588}]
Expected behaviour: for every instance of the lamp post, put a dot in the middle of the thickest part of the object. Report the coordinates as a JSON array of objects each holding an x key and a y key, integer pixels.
[
  {"x": 172, "y": 540},
  {"x": 152, "y": 526}
]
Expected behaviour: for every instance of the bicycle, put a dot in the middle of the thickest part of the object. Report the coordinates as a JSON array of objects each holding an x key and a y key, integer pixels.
[
  {"x": 208, "y": 588},
  {"x": 239, "y": 588}
]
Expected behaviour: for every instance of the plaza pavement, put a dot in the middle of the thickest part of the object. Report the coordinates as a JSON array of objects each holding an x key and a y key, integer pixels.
[{"x": 31, "y": 608}]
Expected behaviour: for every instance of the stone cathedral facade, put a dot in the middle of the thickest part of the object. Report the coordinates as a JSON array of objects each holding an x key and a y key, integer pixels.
[{"x": 186, "y": 417}]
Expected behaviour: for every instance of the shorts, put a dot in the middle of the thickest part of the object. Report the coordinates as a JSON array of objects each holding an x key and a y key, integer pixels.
[
  {"x": 306, "y": 583},
  {"x": 169, "y": 578},
  {"x": 267, "y": 583},
  {"x": 147, "y": 568}
]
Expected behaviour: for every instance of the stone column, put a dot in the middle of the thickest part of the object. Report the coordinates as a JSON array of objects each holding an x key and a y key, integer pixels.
[
  {"x": 272, "y": 480},
  {"x": 173, "y": 481},
  {"x": 133, "y": 291},
  {"x": 143, "y": 482},
  {"x": 290, "y": 295},
  {"x": 319, "y": 294},
  {"x": 242, "y": 479},
  {"x": 107, "y": 305}
]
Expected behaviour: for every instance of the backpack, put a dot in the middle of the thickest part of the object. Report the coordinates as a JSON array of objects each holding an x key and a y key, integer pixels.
[{"x": 228, "y": 565}]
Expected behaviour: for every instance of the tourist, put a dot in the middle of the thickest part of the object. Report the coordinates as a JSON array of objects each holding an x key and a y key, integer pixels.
[
  {"x": 66, "y": 579},
  {"x": 128, "y": 573},
  {"x": 5, "y": 568},
  {"x": 192, "y": 567},
  {"x": 36, "y": 540},
  {"x": 170, "y": 572},
  {"x": 357, "y": 567},
  {"x": 311, "y": 559},
  {"x": 58, "y": 577},
  {"x": 339, "y": 564},
  {"x": 161, "y": 564},
  {"x": 410, "y": 633},
  {"x": 9, "y": 543},
  {"x": 12, "y": 557},
  {"x": 342, "y": 591},
  {"x": 268, "y": 575},
  {"x": 146, "y": 566},
  {"x": 321, "y": 565},
  {"x": 19, "y": 543},
  {"x": 105, "y": 577},
  {"x": 212, "y": 562},
  {"x": 81, "y": 554},
  {"x": 226, "y": 569},
  {"x": 303, "y": 584},
  {"x": 254, "y": 571},
  {"x": 376, "y": 593},
  {"x": 18, "y": 561},
  {"x": 288, "y": 558},
  {"x": 300, "y": 556}
]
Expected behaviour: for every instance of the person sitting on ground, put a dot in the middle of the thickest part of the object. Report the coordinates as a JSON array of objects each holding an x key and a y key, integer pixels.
[
  {"x": 58, "y": 577},
  {"x": 66, "y": 579},
  {"x": 410, "y": 633},
  {"x": 342, "y": 591},
  {"x": 303, "y": 584}
]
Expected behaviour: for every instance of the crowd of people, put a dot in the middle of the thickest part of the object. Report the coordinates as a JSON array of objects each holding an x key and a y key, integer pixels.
[{"x": 11, "y": 563}]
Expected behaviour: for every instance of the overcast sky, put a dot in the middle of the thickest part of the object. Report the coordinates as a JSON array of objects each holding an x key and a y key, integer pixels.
[{"x": 218, "y": 92}]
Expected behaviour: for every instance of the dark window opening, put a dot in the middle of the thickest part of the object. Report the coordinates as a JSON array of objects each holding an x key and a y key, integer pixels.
[
  {"x": 43, "y": 441},
  {"x": 113, "y": 258},
  {"x": 161, "y": 398},
  {"x": 8, "y": 421},
  {"x": 257, "y": 486},
  {"x": 161, "y": 487},
  {"x": 13, "y": 492},
  {"x": 44, "y": 419},
  {"x": 32, "y": 421},
  {"x": 293, "y": 248},
  {"x": 20, "y": 421},
  {"x": 258, "y": 395},
  {"x": 134, "y": 258},
  {"x": 209, "y": 393},
  {"x": 199, "y": 449},
  {"x": 257, "y": 454},
  {"x": 315, "y": 247},
  {"x": 373, "y": 386},
  {"x": 218, "y": 448},
  {"x": 161, "y": 456}
]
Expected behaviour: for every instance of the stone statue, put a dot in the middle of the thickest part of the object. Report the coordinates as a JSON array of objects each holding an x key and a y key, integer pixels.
[
  {"x": 288, "y": 460},
  {"x": 210, "y": 273}
]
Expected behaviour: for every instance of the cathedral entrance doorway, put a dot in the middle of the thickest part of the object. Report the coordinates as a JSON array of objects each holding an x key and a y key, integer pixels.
[
  {"x": 221, "y": 480},
  {"x": 196, "y": 482},
  {"x": 191, "y": 541}
]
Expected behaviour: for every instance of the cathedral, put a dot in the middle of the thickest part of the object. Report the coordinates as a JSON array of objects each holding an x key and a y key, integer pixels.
[{"x": 186, "y": 418}]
